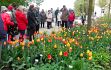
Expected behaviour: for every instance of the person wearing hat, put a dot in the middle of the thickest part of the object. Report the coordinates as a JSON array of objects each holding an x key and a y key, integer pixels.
[{"x": 6, "y": 19}]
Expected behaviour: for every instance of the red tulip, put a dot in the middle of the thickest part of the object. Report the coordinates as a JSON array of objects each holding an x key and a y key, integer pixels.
[
  {"x": 66, "y": 53},
  {"x": 50, "y": 40},
  {"x": 49, "y": 57}
]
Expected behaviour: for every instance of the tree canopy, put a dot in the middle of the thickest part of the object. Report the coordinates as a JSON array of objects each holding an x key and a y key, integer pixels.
[
  {"x": 79, "y": 7},
  {"x": 102, "y": 3},
  {"x": 18, "y": 2},
  {"x": 7, "y": 2}
]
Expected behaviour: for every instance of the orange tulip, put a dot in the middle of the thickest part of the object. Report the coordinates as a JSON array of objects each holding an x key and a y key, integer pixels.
[
  {"x": 90, "y": 58},
  {"x": 90, "y": 54},
  {"x": 76, "y": 43},
  {"x": 73, "y": 33},
  {"x": 32, "y": 41},
  {"x": 5, "y": 43},
  {"x": 22, "y": 43},
  {"x": 70, "y": 49}
]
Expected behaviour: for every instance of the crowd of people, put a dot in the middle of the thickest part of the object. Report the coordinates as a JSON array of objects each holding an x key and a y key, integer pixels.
[{"x": 18, "y": 20}]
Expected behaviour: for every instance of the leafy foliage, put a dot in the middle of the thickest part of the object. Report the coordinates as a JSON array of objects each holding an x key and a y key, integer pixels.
[
  {"x": 79, "y": 7},
  {"x": 19, "y": 2},
  {"x": 68, "y": 49},
  {"x": 102, "y": 3},
  {"x": 7, "y": 2}
]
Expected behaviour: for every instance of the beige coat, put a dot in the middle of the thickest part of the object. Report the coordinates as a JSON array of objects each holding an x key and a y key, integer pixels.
[{"x": 49, "y": 17}]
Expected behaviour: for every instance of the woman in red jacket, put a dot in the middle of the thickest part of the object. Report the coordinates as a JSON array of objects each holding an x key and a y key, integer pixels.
[
  {"x": 22, "y": 21},
  {"x": 71, "y": 18},
  {"x": 6, "y": 19}
]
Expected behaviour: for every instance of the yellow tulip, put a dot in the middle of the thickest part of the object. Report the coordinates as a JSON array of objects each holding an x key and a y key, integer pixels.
[
  {"x": 42, "y": 39},
  {"x": 55, "y": 46},
  {"x": 60, "y": 54},
  {"x": 22, "y": 47},
  {"x": 68, "y": 44},
  {"x": 40, "y": 33},
  {"x": 88, "y": 51},
  {"x": 16, "y": 41},
  {"x": 28, "y": 45},
  {"x": 81, "y": 55},
  {"x": 64, "y": 34},
  {"x": 18, "y": 58}
]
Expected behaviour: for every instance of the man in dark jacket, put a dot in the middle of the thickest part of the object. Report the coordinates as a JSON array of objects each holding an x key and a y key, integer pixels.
[
  {"x": 2, "y": 31},
  {"x": 3, "y": 35},
  {"x": 37, "y": 15},
  {"x": 31, "y": 22},
  {"x": 56, "y": 13}
]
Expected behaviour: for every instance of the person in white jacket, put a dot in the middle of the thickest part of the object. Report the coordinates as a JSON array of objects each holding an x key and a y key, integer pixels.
[
  {"x": 49, "y": 19},
  {"x": 59, "y": 18}
]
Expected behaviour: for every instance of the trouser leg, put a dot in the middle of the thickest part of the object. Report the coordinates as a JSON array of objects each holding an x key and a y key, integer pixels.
[
  {"x": 62, "y": 24},
  {"x": 65, "y": 24}
]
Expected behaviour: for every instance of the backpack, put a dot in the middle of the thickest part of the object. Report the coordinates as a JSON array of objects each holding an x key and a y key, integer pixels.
[
  {"x": 3, "y": 33},
  {"x": 12, "y": 30}
]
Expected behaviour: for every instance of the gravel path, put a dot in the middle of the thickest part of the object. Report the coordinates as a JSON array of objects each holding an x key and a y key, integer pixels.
[{"x": 54, "y": 28}]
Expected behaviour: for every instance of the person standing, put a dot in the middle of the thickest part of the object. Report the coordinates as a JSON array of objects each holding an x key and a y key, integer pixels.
[
  {"x": 56, "y": 13},
  {"x": 12, "y": 30},
  {"x": 64, "y": 16},
  {"x": 31, "y": 22},
  {"x": 52, "y": 11},
  {"x": 49, "y": 19},
  {"x": 3, "y": 35},
  {"x": 59, "y": 18},
  {"x": 71, "y": 18},
  {"x": 37, "y": 16},
  {"x": 6, "y": 20},
  {"x": 83, "y": 18},
  {"x": 43, "y": 18},
  {"x": 22, "y": 22}
]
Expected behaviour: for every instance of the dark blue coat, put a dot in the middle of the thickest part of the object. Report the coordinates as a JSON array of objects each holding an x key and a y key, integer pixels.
[{"x": 3, "y": 33}]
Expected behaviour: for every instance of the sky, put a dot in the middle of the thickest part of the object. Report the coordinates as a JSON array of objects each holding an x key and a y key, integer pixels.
[{"x": 47, "y": 4}]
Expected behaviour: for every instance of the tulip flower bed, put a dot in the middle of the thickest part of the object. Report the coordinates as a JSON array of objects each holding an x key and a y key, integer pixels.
[{"x": 68, "y": 49}]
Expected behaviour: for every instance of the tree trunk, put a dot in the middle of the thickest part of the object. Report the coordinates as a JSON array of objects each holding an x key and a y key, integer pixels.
[
  {"x": 109, "y": 10},
  {"x": 90, "y": 10}
]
